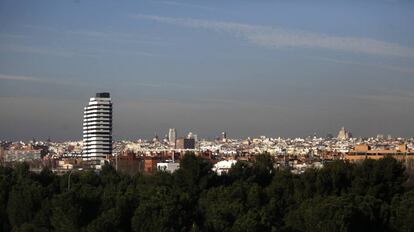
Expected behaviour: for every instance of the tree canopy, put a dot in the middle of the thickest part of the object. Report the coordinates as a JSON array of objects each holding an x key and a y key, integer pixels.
[{"x": 253, "y": 196}]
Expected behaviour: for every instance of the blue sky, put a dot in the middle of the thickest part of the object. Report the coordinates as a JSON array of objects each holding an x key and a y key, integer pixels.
[{"x": 276, "y": 68}]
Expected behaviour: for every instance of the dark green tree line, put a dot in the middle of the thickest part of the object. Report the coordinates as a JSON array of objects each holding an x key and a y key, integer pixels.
[{"x": 253, "y": 196}]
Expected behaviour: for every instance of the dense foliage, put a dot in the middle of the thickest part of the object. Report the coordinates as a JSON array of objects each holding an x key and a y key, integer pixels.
[{"x": 252, "y": 197}]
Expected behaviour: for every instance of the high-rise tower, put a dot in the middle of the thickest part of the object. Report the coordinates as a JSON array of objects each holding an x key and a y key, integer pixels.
[
  {"x": 97, "y": 128},
  {"x": 172, "y": 136}
]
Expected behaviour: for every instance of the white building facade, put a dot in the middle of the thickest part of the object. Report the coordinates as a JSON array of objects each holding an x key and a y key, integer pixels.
[
  {"x": 97, "y": 128},
  {"x": 172, "y": 136}
]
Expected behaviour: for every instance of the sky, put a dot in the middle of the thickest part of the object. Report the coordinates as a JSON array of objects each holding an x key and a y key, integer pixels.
[{"x": 250, "y": 68}]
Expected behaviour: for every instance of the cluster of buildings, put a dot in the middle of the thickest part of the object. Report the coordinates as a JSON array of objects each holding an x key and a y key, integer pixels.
[
  {"x": 98, "y": 148},
  {"x": 149, "y": 155}
]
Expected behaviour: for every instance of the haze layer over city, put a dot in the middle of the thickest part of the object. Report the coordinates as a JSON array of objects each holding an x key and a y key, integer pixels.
[{"x": 273, "y": 68}]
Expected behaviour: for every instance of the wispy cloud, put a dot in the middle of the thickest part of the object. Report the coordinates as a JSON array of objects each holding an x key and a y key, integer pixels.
[
  {"x": 184, "y": 4},
  {"x": 164, "y": 85},
  {"x": 41, "y": 50},
  {"x": 349, "y": 62},
  {"x": 394, "y": 99},
  {"x": 113, "y": 37},
  {"x": 105, "y": 34},
  {"x": 5, "y": 77},
  {"x": 12, "y": 36},
  {"x": 76, "y": 52},
  {"x": 32, "y": 79},
  {"x": 283, "y": 38}
]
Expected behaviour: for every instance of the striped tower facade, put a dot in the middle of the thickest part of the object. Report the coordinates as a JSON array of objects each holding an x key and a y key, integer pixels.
[{"x": 97, "y": 128}]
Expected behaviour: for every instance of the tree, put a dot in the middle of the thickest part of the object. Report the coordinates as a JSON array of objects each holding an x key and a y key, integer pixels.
[
  {"x": 194, "y": 173},
  {"x": 343, "y": 213},
  {"x": 5, "y": 186},
  {"x": 280, "y": 193},
  {"x": 403, "y": 212},
  {"x": 382, "y": 178},
  {"x": 162, "y": 209},
  {"x": 66, "y": 212},
  {"x": 24, "y": 200},
  {"x": 108, "y": 221},
  {"x": 253, "y": 197},
  {"x": 263, "y": 169}
]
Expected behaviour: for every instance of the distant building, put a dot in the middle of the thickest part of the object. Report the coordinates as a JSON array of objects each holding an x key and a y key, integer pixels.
[
  {"x": 172, "y": 136},
  {"x": 223, "y": 137},
  {"x": 344, "y": 134},
  {"x": 150, "y": 165},
  {"x": 156, "y": 138},
  {"x": 223, "y": 166},
  {"x": 1, "y": 154},
  {"x": 184, "y": 143},
  {"x": 21, "y": 155},
  {"x": 168, "y": 167},
  {"x": 97, "y": 128},
  {"x": 191, "y": 135},
  {"x": 364, "y": 151}
]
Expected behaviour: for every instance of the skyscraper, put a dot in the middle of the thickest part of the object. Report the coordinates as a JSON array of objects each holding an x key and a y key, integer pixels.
[
  {"x": 172, "y": 136},
  {"x": 97, "y": 128}
]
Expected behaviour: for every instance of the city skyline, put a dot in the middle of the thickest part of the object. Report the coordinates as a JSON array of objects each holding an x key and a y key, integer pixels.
[{"x": 288, "y": 69}]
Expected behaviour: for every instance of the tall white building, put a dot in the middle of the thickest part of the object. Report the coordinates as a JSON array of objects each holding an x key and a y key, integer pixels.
[
  {"x": 97, "y": 128},
  {"x": 172, "y": 136}
]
